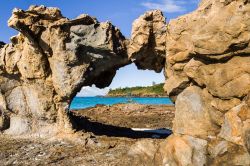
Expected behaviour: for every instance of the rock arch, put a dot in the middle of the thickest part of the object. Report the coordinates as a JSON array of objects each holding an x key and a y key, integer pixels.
[
  {"x": 207, "y": 71},
  {"x": 52, "y": 57}
]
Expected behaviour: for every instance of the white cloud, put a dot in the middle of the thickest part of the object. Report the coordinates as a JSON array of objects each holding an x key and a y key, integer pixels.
[
  {"x": 92, "y": 91},
  {"x": 169, "y": 6}
]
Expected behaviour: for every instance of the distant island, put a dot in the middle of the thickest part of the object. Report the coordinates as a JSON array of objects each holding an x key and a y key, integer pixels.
[{"x": 148, "y": 91}]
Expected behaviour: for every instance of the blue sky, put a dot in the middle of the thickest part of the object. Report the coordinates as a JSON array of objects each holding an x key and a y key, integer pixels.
[{"x": 120, "y": 12}]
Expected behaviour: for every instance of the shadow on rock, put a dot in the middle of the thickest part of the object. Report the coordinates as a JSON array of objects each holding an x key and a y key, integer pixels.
[{"x": 84, "y": 124}]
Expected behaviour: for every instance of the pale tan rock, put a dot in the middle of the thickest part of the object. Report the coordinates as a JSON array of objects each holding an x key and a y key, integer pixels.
[
  {"x": 10, "y": 58},
  {"x": 224, "y": 105},
  {"x": 246, "y": 135},
  {"x": 236, "y": 123},
  {"x": 143, "y": 151},
  {"x": 16, "y": 102},
  {"x": 241, "y": 159},
  {"x": 219, "y": 148},
  {"x": 19, "y": 125},
  {"x": 145, "y": 146},
  {"x": 217, "y": 117},
  {"x": 192, "y": 115},
  {"x": 178, "y": 150},
  {"x": 222, "y": 152},
  {"x": 210, "y": 47},
  {"x": 147, "y": 46},
  {"x": 175, "y": 85},
  {"x": 32, "y": 63},
  {"x": 222, "y": 78},
  {"x": 3, "y": 105},
  {"x": 208, "y": 71},
  {"x": 211, "y": 35}
]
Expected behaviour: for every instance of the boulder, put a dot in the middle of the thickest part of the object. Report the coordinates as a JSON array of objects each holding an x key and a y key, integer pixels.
[
  {"x": 222, "y": 152},
  {"x": 207, "y": 71},
  {"x": 192, "y": 115},
  {"x": 148, "y": 41},
  {"x": 143, "y": 152},
  {"x": 182, "y": 150},
  {"x": 19, "y": 126},
  {"x": 236, "y": 125}
]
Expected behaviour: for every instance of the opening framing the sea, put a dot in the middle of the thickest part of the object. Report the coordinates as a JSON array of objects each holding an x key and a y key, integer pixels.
[{"x": 86, "y": 102}]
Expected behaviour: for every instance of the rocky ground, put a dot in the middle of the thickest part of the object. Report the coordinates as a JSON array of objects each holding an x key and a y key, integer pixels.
[
  {"x": 130, "y": 115},
  {"x": 99, "y": 151},
  {"x": 95, "y": 147}
]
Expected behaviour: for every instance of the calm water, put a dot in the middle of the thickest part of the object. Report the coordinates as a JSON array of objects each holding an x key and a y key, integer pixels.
[{"x": 85, "y": 102}]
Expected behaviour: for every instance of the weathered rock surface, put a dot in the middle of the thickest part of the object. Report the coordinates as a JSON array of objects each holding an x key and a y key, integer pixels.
[
  {"x": 207, "y": 69},
  {"x": 193, "y": 104},
  {"x": 143, "y": 152},
  {"x": 147, "y": 47},
  {"x": 208, "y": 43},
  {"x": 208, "y": 77},
  {"x": 49, "y": 61},
  {"x": 182, "y": 150}
]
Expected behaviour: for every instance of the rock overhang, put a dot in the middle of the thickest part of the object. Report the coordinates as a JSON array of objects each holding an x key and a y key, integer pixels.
[{"x": 52, "y": 57}]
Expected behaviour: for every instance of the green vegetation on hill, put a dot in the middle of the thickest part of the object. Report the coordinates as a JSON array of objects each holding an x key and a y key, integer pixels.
[{"x": 149, "y": 91}]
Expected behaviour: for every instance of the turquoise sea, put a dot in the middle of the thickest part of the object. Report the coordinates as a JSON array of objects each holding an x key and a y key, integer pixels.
[{"x": 85, "y": 102}]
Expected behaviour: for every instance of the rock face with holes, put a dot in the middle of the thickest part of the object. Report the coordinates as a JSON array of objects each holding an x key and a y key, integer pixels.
[
  {"x": 48, "y": 62},
  {"x": 208, "y": 77}
]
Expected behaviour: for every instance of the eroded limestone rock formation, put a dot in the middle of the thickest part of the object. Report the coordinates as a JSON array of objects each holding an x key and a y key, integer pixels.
[
  {"x": 147, "y": 46},
  {"x": 207, "y": 68},
  {"x": 208, "y": 77},
  {"x": 48, "y": 62}
]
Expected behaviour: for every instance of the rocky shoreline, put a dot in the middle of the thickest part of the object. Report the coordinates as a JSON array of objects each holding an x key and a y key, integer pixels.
[
  {"x": 141, "y": 95},
  {"x": 89, "y": 149},
  {"x": 130, "y": 115}
]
